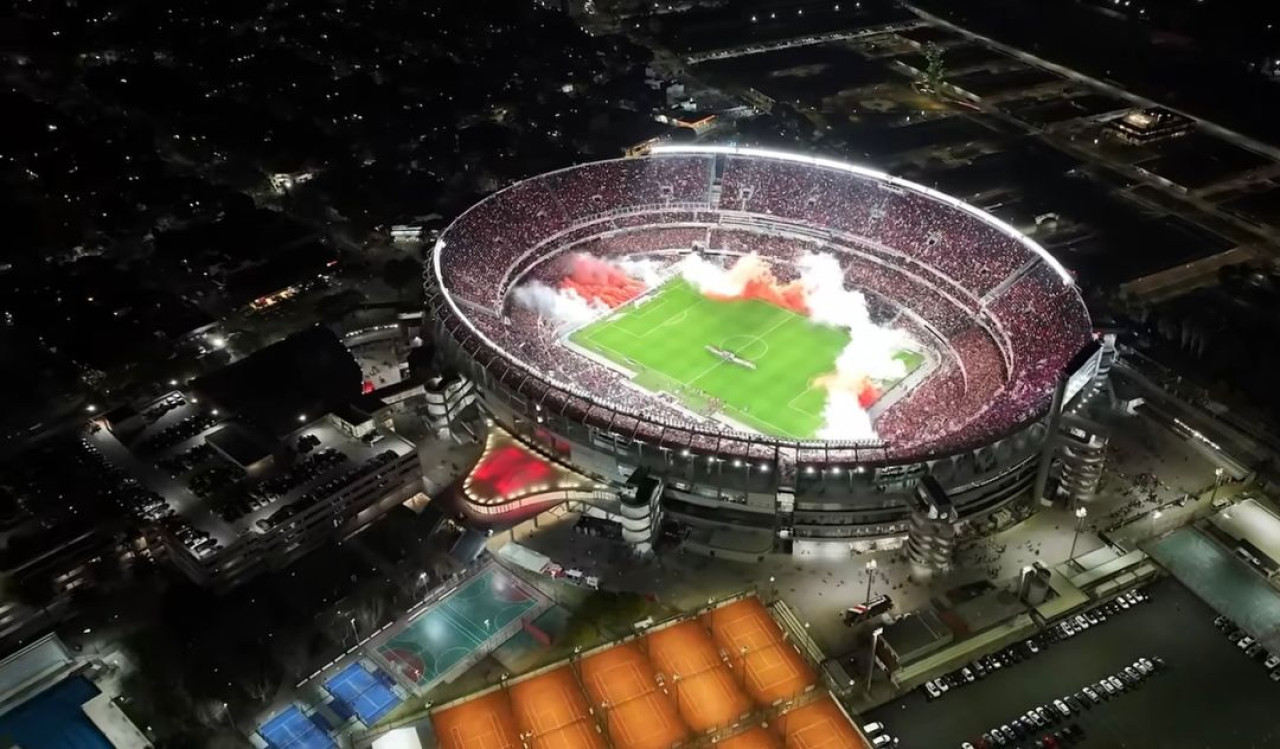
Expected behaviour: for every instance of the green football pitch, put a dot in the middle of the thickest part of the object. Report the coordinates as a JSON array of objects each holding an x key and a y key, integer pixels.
[{"x": 664, "y": 342}]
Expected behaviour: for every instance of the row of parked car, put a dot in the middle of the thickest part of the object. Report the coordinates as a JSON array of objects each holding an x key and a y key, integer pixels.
[
  {"x": 198, "y": 542},
  {"x": 1037, "y": 725},
  {"x": 234, "y": 508},
  {"x": 164, "y": 406},
  {"x": 1020, "y": 651},
  {"x": 1249, "y": 646},
  {"x": 878, "y": 735},
  {"x": 178, "y": 433},
  {"x": 317, "y": 493},
  {"x": 306, "y": 470},
  {"x": 176, "y": 465}
]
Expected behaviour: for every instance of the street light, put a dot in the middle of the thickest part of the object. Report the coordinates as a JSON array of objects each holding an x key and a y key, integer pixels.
[
  {"x": 1217, "y": 481},
  {"x": 871, "y": 661},
  {"x": 1081, "y": 514},
  {"x": 871, "y": 568}
]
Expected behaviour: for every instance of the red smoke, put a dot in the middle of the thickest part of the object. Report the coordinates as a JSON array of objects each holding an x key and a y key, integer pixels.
[
  {"x": 861, "y": 386},
  {"x": 756, "y": 280},
  {"x": 598, "y": 281}
]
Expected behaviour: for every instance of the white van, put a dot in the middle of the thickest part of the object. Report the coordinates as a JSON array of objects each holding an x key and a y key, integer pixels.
[{"x": 872, "y": 728}]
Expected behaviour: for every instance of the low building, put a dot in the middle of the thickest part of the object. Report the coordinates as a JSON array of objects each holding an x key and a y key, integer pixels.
[
  {"x": 263, "y": 461},
  {"x": 1146, "y": 126},
  {"x": 48, "y": 698}
]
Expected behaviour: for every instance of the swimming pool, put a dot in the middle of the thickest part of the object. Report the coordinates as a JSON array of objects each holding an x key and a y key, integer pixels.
[{"x": 54, "y": 719}]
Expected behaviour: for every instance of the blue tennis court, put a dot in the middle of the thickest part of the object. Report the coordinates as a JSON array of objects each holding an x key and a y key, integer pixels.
[
  {"x": 293, "y": 730},
  {"x": 368, "y": 695}
]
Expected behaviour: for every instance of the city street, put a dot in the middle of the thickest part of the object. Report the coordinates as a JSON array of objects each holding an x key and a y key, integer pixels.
[{"x": 1210, "y": 695}]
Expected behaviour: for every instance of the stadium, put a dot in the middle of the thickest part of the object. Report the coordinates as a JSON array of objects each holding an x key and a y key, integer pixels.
[{"x": 783, "y": 343}]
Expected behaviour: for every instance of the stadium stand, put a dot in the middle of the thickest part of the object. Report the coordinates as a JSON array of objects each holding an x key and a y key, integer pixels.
[{"x": 1003, "y": 319}]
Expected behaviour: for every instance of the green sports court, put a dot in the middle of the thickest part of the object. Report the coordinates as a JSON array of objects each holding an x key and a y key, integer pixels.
[
  {"x": 665, "y": 341},
  {"x": 473, "y": 619}
]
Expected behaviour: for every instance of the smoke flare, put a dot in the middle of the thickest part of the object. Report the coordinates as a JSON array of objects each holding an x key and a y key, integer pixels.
[{"x": 601, "y": 282}]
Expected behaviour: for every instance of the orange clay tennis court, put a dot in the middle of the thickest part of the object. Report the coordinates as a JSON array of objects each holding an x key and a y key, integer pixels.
[
  {"x": 552, "y": 713},
  {"x": 482, "y": 723},
  {"x": 729, "y": 662},
  {"x": 638, "y": 712},
  {"x": 820, "y": 724},
  {"x": 754, "y": 642},
  {"x": 755, "y": 737},
  {"x": 690, "y": 667}
]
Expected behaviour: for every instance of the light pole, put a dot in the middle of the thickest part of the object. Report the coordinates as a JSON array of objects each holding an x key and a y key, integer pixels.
[
  {"x": 1155, "y": 515},
  {"x": 871, "y": 568},
  {"x": 1217, "y": 481},
  {"x": 355, "y": 632},
  {"x": 871, "y": 661},
  {"x": 1081, "y": 514}
]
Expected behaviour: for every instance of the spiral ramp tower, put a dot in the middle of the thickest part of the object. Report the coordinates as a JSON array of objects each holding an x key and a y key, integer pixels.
[{"x": 640, "y": 511}]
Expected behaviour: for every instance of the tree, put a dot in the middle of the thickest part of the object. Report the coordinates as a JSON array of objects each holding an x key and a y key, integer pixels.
[
  {"x": 334, "y": 306},
  {"x": 400, "y": 273},
  {"x": 935, "y": 70}
]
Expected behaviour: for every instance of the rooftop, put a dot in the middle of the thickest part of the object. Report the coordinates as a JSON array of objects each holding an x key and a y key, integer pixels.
[
  {"x": 287, "y": 383},
  {"x": 225, "y": 478}
]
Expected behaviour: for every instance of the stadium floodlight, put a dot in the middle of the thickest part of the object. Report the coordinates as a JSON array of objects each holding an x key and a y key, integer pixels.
[{"x": 838, "y": 165}]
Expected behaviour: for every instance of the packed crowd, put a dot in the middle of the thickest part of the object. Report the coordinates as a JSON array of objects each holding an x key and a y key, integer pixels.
[
  {"x": 916, "y": 259},
  {"x": 489, "y": 237}
]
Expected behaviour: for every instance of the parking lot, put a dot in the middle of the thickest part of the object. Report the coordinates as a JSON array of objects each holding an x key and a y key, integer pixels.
[{"x": 1209, "y": 695}]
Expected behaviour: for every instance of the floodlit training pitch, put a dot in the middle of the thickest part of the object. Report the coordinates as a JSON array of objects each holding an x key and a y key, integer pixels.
[{"x": 664, "y": 341}]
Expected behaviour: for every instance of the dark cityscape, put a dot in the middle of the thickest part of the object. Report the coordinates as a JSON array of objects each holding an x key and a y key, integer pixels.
[{"x": 503, "y": 374}]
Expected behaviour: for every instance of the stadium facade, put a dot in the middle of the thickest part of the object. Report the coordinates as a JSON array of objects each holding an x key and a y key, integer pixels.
[{"x": 1003, "y": 321}]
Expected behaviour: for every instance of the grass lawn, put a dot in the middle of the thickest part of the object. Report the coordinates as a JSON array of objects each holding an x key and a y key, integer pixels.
[{"x": 664, "y": 342}]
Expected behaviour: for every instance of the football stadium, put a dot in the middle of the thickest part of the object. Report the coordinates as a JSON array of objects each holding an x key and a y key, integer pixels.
[{"x": 766, "y": 335}]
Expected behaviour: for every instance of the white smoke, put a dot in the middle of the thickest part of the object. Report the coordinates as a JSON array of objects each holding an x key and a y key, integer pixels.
[
  {"x": 563, "y": 306},
  {"x": 709, "y": 278},
  {"x": 844, "y": 418},
  {"x": 646, "y": 271},
  {"x": 869, "y": 356}
]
